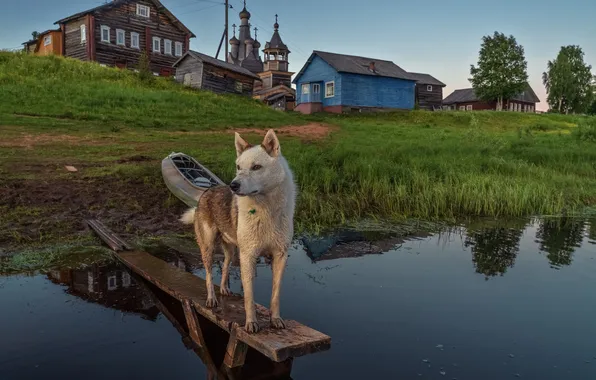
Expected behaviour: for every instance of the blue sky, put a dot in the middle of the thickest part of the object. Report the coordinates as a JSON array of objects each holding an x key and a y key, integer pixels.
[{"x": 441, "y": 38}]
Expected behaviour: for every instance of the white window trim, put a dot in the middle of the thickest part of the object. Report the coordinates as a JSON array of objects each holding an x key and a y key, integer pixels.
[
  {"x": 141, "y": 6},
  {"x": 83, "y": 33},
  {"x": 105, "y": 27},
  {"x": 305, "y": 88},
  {"x": 112, "y": 284},
  {"x": 118, "y": 31},
  {"x": 178, "y": 49},
  {"x": 469, "y": 107},
  {"x": 327, "y": 84},
  {"x": 316, "y": 88},
  {"x": 165, "y": 47},
  {"x": 158, "y": 40},
  {"x": 47, "y": 40},
  {"x": 429, "y": 87},
  {"x": 132, "y": 39},
  {"x": 462, "y": 108}
]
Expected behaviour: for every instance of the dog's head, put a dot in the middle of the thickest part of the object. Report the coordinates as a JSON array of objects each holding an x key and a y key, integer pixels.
[{"x": 259, "y": 168}]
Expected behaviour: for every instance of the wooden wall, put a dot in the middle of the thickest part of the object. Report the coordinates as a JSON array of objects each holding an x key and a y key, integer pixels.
[
  {"x": 73, "y": 47},
  {"x": 427, "y": 99},
  {"x": 190, "y": 72},
  {"x": 220, "y": 80},
  {"x": 55, "y": 47}
]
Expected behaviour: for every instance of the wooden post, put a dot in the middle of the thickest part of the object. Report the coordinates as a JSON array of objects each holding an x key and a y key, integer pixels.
[
  {"x": 148, "y": 43},
  {"x": 193, "y": 324},
  {"x": 63, "y": 38},
  {"x": 236, "y": 350},
  {"x": 226, "y": 39},
  {"x": 91, "y": 37}
]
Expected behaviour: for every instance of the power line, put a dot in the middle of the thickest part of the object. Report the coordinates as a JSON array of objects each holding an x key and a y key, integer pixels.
[{"x": 195, "y": 2}]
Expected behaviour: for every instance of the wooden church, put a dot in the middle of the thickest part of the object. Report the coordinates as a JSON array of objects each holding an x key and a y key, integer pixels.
[{"x": 275, "y": 85}]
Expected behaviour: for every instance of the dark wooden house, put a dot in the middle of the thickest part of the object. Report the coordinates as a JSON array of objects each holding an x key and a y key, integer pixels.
[
  {"x": 429, "y": 91},
  {"x": 466, "y": 100},
  {"x": 199, "y": 70},
  {"x": 118, "y": 32}
]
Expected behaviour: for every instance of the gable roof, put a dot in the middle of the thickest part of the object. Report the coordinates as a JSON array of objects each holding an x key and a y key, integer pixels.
[
  {"x": 216, "y": 62},
  {"x": 465, "y": 95},
  {"x": 276, "y": 42},
  {"x": 39, "y": 36},
  {"x": 343, "y": 63},
  {"x": 427, "y": 79},
  {"x": 117, "y": 3}
]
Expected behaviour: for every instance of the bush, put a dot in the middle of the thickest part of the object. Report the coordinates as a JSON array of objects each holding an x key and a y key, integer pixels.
[{"x": 586, "y": 130}]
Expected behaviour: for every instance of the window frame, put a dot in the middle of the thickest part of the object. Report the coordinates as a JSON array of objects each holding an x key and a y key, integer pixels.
[
  {"x": 108, "y": 29},
  {"x": 144, "y": 7},
  {"x": 429, "y": 87},
  {"x": 469, "y": 107},
  {"x": 154, "y": 40},
  {"x": 178, "y": 45},
  {"x": 47, "y": 40},
  {"x": 83, "y": 29},
  {"x": 327, "y": 85},
  {"x": 123, "y": 32},
  {"x": 307, "y": 87},
  {"x": 132, "y": 39},
  {"x": 165, "y": 47},
  {"x": 316, "y": 88}
]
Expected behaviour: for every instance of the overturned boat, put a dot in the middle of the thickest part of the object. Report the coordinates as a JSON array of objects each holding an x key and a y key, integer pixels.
[{"x": 186, "y": 178}]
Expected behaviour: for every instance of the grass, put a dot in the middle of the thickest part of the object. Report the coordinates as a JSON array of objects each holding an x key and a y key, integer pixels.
[{"x": 391, "y": 166}]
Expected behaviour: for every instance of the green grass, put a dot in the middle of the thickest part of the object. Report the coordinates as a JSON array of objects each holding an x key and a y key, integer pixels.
[{"x": 390, "y": 166}]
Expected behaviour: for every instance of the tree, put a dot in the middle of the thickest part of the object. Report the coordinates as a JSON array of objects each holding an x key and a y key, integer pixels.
[
  {"x": 502, "y": 69},
  {"x": 34, "y": 34},
  {"x": 568, "y": 81}
]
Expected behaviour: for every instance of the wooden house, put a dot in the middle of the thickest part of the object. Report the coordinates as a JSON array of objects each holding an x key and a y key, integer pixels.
[
  {"x": 48, "y": 42},
  {"x": 342, "y": 83},
  {"x": 429, "y": 91},
  {"x": 119, "y": 31},
  {"x": 199, "y": 70},
  {"x": 466, "y": 100}
]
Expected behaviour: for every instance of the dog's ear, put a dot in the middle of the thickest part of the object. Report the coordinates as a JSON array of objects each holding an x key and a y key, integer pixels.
[
  {"x": 241, "y": 145},
  {"x": 271, "y": 144}
]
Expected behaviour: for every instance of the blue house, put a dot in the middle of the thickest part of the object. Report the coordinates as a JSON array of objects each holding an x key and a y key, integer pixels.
[{"x": 342, "y": 83}]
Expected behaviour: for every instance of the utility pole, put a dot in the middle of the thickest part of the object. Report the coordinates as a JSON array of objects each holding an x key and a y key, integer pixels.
[{"x": 224, "y": 36}]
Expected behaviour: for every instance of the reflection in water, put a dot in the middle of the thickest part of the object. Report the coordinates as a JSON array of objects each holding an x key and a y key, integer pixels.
[
  {"x": 592, "y": 231},
  {"x": 559, "y": 238},
  {"x": 494, "y": 249}
]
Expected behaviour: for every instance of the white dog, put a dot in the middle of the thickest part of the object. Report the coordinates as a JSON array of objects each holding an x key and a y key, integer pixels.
[{"x": 256, "y": 214}]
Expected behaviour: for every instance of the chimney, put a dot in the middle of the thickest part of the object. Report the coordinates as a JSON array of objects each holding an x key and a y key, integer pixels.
[{"x": 371, "y": 66}]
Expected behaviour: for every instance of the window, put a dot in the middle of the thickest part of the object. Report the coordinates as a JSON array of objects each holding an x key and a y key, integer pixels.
[
  {"x": 305, "y": 89},
  {"x": 469, "y": 107},
  {"x": 105, "y": 33},
  {"x": 120, "y": 37},
  {"x": 316, "y": 88},
  {"x": 156, "y": 45},
  {"x": 178, "y": 46},
  {"x": 47, "y": 40},
  {"x": 126, "y": 280},
  {"x": 167, "y": 47},
  {"x": 330, "y": 89},
  {"x": 143, "y": 10},
  {"x": 510, "y": 106},
  {"x": 134, "y": 40},
  {"x": 429, "y": 88},
  {"x": 112, "y": 283},
  {"x": 238, "y": 86},
  {"x": 83, "y": 33},
  {"x": 462, "y": 108}
]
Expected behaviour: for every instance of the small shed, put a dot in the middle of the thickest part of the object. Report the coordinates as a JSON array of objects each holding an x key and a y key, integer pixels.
[
  {"x": 429, "y": 91},
  {"x": 199, "y": 70}
]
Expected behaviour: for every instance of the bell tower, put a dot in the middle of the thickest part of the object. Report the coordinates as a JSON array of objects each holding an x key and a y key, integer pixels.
[{"x": 275, "y": 68}]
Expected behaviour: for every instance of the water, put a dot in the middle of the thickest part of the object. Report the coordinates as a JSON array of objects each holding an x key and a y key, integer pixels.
[{"x": 486, "y": 302}]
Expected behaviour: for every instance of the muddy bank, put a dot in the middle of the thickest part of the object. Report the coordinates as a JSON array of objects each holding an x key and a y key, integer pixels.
[{"x": 52, "y": 211}]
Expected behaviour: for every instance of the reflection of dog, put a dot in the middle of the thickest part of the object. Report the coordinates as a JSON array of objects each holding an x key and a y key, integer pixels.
[{"x": 255, "y": 213}]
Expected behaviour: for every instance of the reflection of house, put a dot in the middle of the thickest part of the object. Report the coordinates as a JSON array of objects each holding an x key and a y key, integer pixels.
[
  {"x": 466, "y": 100},
  {"x": 46, "y": 43},
  {"x": 198, "y": 70},
  {"x": 108, "y": 285},
  {"x": 117, "y": 32},
  {"x": 339, "y": 83}
]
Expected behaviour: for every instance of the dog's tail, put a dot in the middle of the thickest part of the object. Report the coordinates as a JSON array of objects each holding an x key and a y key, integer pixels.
[{"x": 189, "y": 216}]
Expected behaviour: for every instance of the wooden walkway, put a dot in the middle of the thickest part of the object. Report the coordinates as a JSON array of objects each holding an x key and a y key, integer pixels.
[{"x": 277, "y": 345}]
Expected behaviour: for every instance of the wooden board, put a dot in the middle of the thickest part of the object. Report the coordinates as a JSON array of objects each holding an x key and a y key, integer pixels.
[{"x": 278, "y": 345}]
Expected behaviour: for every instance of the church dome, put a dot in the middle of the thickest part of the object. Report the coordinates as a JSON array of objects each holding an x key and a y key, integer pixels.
[
  {"x": 234, "y": 41},
  {"x": 257, "y": 44},
  {"x": 244, "y": 14},
  {"x": 249, "y": 41}
]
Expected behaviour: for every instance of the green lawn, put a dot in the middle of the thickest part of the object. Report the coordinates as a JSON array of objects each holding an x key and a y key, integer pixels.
[{"x": 116, "y": 128}]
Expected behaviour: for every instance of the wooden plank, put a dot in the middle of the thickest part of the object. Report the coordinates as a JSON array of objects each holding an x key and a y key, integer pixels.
[
  {"x": 235, "y": 352},
  {"x": 193, "y": 324},
  {"x": 278, "y": 345},
  {"x": 108, "y": 236}
]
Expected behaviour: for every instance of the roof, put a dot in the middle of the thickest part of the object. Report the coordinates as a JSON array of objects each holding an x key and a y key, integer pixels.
[
  {"x": 276, "y": 42},
  {"x": 115, "y": 3},
  {"x": 216, "y": 62},
  {"x": 357, "y": 65},
  {"x": 427, "y": 79},
  {"x": 469, "y": 95},
  {"x": 39, "y": 35}
]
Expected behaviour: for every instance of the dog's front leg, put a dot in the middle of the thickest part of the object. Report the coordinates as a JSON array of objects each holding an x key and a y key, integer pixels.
[
  {"x": 248, "y": 266},
  {"x": 278, "y": 267}
]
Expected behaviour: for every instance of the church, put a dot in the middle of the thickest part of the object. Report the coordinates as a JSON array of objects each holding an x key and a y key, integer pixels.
[{"x": 275, "y": 85}]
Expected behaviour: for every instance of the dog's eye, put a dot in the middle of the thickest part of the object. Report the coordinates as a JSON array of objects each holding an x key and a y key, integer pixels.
[
  {"x": 237, "y": 167},
  {"x": 256, "y": 167}
]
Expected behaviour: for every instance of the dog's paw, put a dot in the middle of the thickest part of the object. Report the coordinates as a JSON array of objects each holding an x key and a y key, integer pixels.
[
  {"x": 278, "y": 323},
  {"x": 251, "y": 327},
  {"x": 212, "y": 302},
  {"x": 225, "y": 291}
]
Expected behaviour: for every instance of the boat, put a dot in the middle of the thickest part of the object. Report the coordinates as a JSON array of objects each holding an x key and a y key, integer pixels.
[{"x": 186, "y": 178}]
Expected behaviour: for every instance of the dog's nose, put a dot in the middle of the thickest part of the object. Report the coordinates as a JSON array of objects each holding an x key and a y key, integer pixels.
[{"x": 235, "y": 186}]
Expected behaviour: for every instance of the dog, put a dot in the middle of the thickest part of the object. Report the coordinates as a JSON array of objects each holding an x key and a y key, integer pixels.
[{"x": 255, "y": 214}]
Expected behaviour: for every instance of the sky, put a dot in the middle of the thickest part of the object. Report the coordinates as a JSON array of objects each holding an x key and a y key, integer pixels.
[{"x": 441, "y": 38}]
